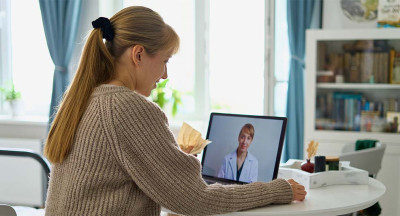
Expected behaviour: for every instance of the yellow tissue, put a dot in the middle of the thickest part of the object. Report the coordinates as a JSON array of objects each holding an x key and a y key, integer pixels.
[{"x": 190, "y": 141}]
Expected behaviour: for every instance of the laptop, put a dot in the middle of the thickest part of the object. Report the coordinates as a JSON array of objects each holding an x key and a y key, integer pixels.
[{"x": 244, "y": 148}]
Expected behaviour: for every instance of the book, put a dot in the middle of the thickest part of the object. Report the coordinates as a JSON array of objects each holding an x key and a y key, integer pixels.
[
  {"x": 346, "y": 110},
  {"x": 354, "y": 73},
  {"x": 346, "y": 66},
  {"x": 366, "y": 67},
  {"x": 385, "y": 66},
  {"x": 395, "y": 71},
  {"x": 392, "y": 53},
  {"x": 321, "y": 57},
  {"x": 376, "y": 68}
]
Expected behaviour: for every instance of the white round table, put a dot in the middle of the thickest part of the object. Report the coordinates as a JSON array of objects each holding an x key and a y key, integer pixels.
[{"x": 329, "y": 200}]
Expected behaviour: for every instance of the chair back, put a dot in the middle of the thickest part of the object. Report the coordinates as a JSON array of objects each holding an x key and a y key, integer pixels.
[
  {"x": 6, "y": 210},
  {"x": 367, "y": 159},
  {"x": 20, "y": 152}
]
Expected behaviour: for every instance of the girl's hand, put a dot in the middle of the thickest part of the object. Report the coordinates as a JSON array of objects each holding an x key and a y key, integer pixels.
[
  {"x": 299, "y": 192},
  {"x": 188, "y": 150}
]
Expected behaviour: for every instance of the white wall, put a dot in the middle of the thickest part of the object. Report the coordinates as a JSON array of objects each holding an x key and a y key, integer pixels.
[{"x": 390, "y": 177}]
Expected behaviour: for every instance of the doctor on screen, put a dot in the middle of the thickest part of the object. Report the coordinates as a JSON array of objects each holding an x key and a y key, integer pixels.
[{"x": 241, "y": 165}]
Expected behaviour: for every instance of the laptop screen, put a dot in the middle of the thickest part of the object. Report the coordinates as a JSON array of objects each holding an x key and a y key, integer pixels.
[{"x": 244, "y": 148}]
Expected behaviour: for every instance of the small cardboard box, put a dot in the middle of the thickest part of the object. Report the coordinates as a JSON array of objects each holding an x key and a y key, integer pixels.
[
  {"x": 388, "y": 13},
  {"x": 347, "y": 175}
]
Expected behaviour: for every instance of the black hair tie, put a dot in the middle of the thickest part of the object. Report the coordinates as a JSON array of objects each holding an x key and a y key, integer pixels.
[{"x": 105, "y": 25}]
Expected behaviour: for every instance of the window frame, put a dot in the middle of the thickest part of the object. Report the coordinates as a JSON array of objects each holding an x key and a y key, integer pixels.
[
  {"x": 269, "y": 76},
  {"x": 5, "y": 52},
  {"x": 201, "y": 89}
]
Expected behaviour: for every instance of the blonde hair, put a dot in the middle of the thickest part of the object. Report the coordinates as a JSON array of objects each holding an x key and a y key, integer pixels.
[
  {"x": 134, "y": 25},
  {"x": 247, "y": 128}
]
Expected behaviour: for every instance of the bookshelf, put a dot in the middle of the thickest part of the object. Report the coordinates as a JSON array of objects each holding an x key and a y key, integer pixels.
[
  {"x": 325, "y": 92},
  {"x": 351, "y": 89}
]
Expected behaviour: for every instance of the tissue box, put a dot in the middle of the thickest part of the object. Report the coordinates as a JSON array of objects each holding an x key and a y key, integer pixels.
[{"x": 347, "y": 175}]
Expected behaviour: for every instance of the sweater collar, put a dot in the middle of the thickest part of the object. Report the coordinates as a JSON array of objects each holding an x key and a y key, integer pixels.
[{"x": 108, "y": 88}]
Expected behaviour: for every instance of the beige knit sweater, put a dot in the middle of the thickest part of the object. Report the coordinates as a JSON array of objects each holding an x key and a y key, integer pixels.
[{"x": 125, "y": 161}]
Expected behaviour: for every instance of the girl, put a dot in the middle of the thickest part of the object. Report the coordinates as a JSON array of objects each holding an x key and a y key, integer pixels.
[{"x": 111, "y": 149}]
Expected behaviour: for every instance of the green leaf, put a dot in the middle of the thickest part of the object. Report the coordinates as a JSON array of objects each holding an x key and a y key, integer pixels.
[
  {"x": 174, "y": 108},
  {"x": 161, "y": 99},
  {"x": 162, "y": 84},
  {"x": 163, "y": 95},
  {"x": 11, "y": 93}
]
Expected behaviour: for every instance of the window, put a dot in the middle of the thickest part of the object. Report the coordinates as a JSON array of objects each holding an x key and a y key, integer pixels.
[
  {"x": 221, "y": 61},
  {"x": 236, "y": 50},
  {"x": 32, "y": 67},
  {"x": 25, "y": 58},
  {"x": 281, "y": 60}
]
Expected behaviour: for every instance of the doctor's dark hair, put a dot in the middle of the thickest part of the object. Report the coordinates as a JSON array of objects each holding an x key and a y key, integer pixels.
[
  {"x": 131, "y": 26},
  {"x": 247, "y": 128}
]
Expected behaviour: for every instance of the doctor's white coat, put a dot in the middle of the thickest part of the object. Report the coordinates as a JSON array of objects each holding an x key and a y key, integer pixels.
[{"x": 228, "y": 168}]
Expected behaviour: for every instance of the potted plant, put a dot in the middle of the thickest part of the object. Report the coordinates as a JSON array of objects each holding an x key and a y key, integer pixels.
[
  {"x": 13, "y": 97},
  {"x": 163, "y": 95}
]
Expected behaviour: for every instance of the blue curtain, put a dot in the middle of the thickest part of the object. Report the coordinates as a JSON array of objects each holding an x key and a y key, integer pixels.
[
  {"x": 299, "y": 16},
  {"x": 60, "y": 21}
]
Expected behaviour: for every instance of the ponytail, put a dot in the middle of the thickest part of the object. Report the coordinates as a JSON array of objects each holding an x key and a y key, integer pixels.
[{"x": 96, "y": 66}]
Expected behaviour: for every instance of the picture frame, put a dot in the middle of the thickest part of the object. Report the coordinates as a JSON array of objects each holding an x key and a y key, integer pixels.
[
  {"x": 349, "y": 14},
  {"x": 368, "y": 120},
  {"x": 391, "y": 119}
]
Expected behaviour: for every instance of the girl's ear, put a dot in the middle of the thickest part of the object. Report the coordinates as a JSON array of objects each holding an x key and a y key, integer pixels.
[{"x": 137, "y": 54}]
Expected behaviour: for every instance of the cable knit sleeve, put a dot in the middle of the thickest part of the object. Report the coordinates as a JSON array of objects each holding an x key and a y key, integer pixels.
[{"x": 147, "y": 150}]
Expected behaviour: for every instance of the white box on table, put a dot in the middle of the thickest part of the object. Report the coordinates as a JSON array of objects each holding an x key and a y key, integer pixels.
[{"x": 347, "y": 175}]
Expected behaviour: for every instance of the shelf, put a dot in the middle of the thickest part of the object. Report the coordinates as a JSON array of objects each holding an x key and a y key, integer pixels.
[
  {"x": 333, "y": 135},
  {"x": 350, "y": 34},
  {"x": 357, "y": 86}
]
